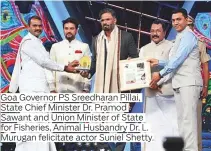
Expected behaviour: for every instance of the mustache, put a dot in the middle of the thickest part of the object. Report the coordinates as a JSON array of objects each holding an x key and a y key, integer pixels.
[
  {"x": 69, "y": 33},
  {"x": 155, "y": 36},
  {"x": 38, "y": 30}
]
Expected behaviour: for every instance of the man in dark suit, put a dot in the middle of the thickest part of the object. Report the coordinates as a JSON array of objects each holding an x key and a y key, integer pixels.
[{"x": 108, "y": 47}]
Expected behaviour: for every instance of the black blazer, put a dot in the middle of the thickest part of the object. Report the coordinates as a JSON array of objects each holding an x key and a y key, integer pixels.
[{"x": 127, "y": 49}]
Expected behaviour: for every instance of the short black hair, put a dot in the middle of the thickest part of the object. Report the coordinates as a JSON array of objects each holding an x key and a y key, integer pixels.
[
  {"x": 33, "y": 17},
  {"x": 71, "y": 20},
  {"x": 181, "y": 10},
  {"x": 160, "y": 22},
  {"x": 107, "y": 10}
]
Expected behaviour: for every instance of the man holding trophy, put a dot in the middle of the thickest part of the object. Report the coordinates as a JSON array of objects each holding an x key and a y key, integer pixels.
[{"x": 66, "y": 51}]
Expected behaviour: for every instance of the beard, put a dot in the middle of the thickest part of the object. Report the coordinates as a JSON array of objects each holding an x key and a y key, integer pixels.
[
  {"x": 68, "y": 37},
  {"x": 108, "y": 27}
]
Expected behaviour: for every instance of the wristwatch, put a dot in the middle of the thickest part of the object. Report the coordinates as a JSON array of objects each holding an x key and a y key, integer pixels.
[{"x": 160, "y": 75}]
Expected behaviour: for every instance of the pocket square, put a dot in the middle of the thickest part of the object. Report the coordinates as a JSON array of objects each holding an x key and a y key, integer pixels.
[{"x": 78, "y": 51}]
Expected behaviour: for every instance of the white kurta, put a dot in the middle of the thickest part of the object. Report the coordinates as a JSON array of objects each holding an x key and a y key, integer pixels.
[
  {"x": 32, "y": 65},
  {"x": 64, "y": 52},
  {"x": 35, "y": 146},
  {"x": 160, "y": 109}
]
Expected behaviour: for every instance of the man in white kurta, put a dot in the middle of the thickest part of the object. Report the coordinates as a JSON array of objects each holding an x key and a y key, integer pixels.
[
  {"x": 32, "y": 66},
  {"x": 68, "y": 50},
  {"x": 160, "y": 105}
]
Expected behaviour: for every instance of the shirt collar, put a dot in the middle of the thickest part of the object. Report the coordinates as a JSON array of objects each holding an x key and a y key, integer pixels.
[
  {"x": 180, "y": 34},
  {"x": 184, "y": 30},
  {"x": 67, "y": 42},
  {"x": 34, "y": 38},
  {"x": 104, "y": 35}
]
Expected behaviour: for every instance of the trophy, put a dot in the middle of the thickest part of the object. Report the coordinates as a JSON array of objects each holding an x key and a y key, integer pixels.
[{"x": 84, "y": 63}]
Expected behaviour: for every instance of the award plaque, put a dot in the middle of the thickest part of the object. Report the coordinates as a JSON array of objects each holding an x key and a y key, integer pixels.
[
  {"x": 134, "y": 74},
  {"x": 84, "y": 63}
]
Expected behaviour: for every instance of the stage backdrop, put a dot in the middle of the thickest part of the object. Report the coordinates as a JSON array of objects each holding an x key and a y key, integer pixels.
[
  {"x": 203, "y": 30},
  {"x": 13, "y": 29}
]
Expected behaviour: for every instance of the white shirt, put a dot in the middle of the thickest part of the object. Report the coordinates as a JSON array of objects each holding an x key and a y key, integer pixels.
[
  {"x": 34, "y": 66},
  {"x": 64, "y": 52},
  {"x": 165, "y": 78},
  {"x": 107, "y": 41},
  {"x": 159, "y": 51}
]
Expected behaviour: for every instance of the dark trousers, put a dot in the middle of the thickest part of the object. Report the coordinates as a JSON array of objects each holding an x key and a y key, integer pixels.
[
  {"x": 70, "y": 146},
  {"x": 119, "y": 146},
  {"x": 66, "y": 146}
]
